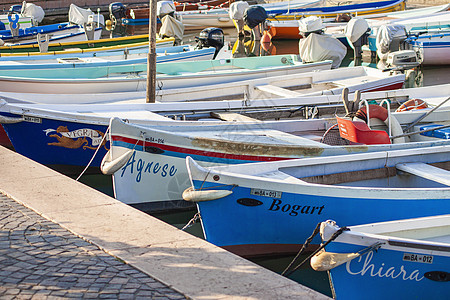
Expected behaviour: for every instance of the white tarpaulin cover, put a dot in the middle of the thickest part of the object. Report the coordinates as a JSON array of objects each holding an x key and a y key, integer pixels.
[
  {"x": 320, "y": 47},
  {"x": 33, "y": 11},
  {"x": 310, "y": 24},
  {"x": 164, "y": 8},
  {"x": 237, "y": 10},
  {"x": 355, "y": 29},
  {"x": 171, "y": 27},
  {"x": 385, "y": 35},
  {"x": 80, "y": 16}
]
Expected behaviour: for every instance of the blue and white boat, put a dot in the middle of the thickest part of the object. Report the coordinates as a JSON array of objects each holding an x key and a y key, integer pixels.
[
  {"x": 60, "y": 32},
  {"x": 402, "y": 259},
  {"x": 71, "y": 112},
  {"x": 273, "y": 207},
  {"x": 432, "y": 49},
  {"x": 246, "y": 141}
]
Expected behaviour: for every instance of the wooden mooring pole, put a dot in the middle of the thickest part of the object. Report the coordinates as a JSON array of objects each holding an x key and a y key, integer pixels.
[{"x": 151, "y": 59}]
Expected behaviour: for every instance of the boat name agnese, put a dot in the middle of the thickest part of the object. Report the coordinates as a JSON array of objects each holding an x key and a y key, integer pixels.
[{"x": 141, "y": 166}]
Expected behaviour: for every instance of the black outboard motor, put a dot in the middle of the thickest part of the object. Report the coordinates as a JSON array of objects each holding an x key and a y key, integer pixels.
[
  {"x": 254, "y": 15},
  {"x": 211, "y": 37},
  {"x": 117, "y": 12},
  {"x": 16, "y": 8}
]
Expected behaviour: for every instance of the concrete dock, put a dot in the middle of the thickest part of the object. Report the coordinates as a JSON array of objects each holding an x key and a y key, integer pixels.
[{"x": 60, "y": 238}]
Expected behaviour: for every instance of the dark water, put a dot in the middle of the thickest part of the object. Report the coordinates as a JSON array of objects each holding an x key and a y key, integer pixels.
[{"x": 305, "y": 275}]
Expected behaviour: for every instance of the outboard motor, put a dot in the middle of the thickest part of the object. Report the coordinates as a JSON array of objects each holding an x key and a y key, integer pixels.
[
  {"x": 16, "y": 8},
  {"x": 389, "y": 39},
  {"x": 117, "y": 12},
  {"x": 236, "y": 12},
  {"x": 357, "y": 33},
  {"x": 164, "y": 8},
  {"x": 317, "y": 46},
  {"x": 254, "y": 17},
  {"x": 309, "y": 25},
  {"x": 211, "y": 37},
  {"x": 403, "y": 59},
  {"x": 170, "y": 26}
]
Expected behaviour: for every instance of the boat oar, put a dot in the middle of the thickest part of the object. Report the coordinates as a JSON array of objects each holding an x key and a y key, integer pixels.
[
  {"x": 426, "y": 114},
  {"x": 421, "y": 131}
]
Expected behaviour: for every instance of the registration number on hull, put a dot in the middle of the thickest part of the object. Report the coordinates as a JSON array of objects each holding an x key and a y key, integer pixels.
[
  {"x": 266, "y": 193},
  {"x": 427, "y": 259}
]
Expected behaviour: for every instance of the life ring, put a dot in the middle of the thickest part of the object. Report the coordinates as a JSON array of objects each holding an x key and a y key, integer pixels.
[
  {"x": 381, "y": 113},
  {"x": 412, "y": 104}
]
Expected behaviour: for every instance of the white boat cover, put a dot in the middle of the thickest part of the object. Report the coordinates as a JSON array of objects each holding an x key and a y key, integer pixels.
[
  {"x": 33, "y": 11},
  {"x": 237, "y": 10},
  {"x": 171, "y": 27},
  {"x": 385, "y": 35},
  {"x": 164, "y": 8},
  {"x": 355, "y": 28},
  {"x": 310, "y": 24},
  {"x": 80, "y": 16},
  {"x": 320, "y": 47}
]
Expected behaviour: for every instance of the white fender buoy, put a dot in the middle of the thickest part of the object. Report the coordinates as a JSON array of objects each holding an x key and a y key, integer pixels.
[
  {"x": 192, "y": 195},
  {"x": 109, "y": 167},
  {"x": 324, "y": 261}
]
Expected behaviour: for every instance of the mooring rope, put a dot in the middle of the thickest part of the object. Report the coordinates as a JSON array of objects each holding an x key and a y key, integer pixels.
[
  {"x": 95, "y": 153},
  {"x": 308, "y": 240}
]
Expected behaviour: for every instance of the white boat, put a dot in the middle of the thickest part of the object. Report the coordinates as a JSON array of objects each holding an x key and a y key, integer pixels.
[
  {"x": 432, "y": 49},
  {"x": 95, "y": 67},
  {"x": 325, "y": 82},
  {"x": 46, "y": 124},
  {"x": 172, "y": 75},
  {"x": 273, "y": 207},
  {"x": 228, "y": 144},
  {"x": 411, "y": 18},
  {"x": 220, "y": 17},
  {"x": 400, "y": 259}
]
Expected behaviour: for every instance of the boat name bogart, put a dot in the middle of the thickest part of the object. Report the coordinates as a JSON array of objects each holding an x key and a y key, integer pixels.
[{"x": 294, "y": 210}]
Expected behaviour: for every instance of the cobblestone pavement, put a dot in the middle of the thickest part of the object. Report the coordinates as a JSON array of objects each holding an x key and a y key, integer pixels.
[{"x": 41, "y": 260}]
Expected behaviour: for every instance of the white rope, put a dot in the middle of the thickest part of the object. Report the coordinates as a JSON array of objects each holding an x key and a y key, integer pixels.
[{"x": 95, "y": 153}]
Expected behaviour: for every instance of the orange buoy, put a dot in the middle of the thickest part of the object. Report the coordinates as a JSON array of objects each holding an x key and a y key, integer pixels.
[{"x": 412, "y": 104}]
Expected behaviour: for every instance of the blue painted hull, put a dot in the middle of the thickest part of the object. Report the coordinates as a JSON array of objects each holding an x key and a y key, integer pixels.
[
  {"x": 291, "y": 218},
  {"x": 385, "y": 274},
  {"x": 58, "y": 143},
  {"x": 33, "y": 31}
]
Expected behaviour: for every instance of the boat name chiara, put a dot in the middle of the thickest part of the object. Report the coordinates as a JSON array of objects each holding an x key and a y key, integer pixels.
[
  {"x": 369, "y": 268},
  {"x": 294, "y": 210},
  {"x": 141, "y": 166}
]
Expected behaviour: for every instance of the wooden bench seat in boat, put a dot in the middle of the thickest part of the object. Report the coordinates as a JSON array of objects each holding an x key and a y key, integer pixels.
[{"x": 426, "y": 171}]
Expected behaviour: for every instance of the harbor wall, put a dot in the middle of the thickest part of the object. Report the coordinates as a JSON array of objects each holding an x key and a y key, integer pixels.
[{"x": 185, "y": 263}]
